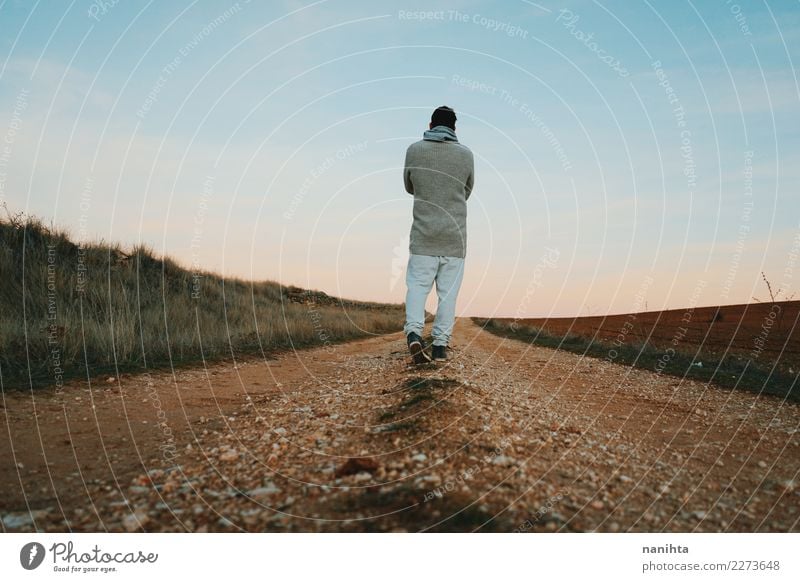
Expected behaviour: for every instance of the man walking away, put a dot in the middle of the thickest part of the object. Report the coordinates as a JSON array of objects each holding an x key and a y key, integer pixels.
[{"x": 439, "y": 173}]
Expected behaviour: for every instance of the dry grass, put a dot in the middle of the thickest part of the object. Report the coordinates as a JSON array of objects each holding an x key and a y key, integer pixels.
[{"x": 69, "y": 310}]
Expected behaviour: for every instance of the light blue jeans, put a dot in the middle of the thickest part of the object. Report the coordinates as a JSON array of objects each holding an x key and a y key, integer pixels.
[{"x": 422, "y": 272}]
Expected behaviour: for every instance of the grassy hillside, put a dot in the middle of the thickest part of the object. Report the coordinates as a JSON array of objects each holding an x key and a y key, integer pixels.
[{"x": 68, "y": 310}]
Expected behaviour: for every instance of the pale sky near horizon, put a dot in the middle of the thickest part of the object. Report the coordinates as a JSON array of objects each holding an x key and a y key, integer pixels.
[{"x": 627, "y": 154}]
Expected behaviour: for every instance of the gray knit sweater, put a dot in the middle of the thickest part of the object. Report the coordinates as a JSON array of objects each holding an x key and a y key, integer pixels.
[{"x": 439, "y": 173}]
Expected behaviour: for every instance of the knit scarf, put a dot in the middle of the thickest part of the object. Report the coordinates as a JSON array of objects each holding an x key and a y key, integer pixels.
[{"x": 440, "y": 133}]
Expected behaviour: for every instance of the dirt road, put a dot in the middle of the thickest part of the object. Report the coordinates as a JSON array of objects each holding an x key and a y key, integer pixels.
[{"x": 504, "y": 437}]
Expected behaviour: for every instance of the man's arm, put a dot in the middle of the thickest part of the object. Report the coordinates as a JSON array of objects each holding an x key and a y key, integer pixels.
[
  {"x": 470, "y": 179},
  {"x": 407, "y": 175}
]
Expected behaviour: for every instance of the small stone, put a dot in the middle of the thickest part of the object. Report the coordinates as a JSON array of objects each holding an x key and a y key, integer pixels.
[
  {"x": 597, "y": 504},
  {"x": 363, "y": 477},
  {"x": 134, "y": 521},
  {"x": 503, "y": 461},
  {"x": 170, "y": 486},
  {"x": 419, "y": 458},
  {"x": 355, "y": 465},
  {"x": 229, "y": 456},
  {"x": 268, "y": 489},
  {"x": 16, "y": 520},
  {"x": 433, "y": 479},
  {"x": 225, "y": 522},
  {"x": 111, "y": 380},
  {"x": 762, "y": 464}
]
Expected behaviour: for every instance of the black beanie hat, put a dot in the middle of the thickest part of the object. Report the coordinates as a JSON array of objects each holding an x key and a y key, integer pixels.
[{"x": 444, "y": 115}]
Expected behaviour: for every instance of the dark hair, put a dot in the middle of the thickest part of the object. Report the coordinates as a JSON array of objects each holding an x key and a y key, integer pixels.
[{"x": 444, "y": 115}]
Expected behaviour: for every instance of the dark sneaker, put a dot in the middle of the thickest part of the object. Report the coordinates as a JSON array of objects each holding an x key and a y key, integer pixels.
[
  {"x": 439, "y": 353},
  {"x": 417, "y": 348}
]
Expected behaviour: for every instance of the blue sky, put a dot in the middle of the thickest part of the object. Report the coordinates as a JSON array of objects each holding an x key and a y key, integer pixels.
[{"x": 623, "y": 150}]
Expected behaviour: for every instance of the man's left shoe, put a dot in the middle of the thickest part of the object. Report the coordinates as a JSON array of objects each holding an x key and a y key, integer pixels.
[
  {"x": 417, "y": 348},
  {"x": 439, "y": 353}
]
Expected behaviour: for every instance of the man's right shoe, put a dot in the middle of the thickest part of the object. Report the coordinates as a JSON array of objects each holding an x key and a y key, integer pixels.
[
  {"x": 417, "y": 348},
  {"x": 439, "y": 353}
]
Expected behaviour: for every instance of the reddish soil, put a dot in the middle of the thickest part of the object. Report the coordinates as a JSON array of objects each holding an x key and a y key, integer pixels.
[{"x": 768, "y": 333}]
